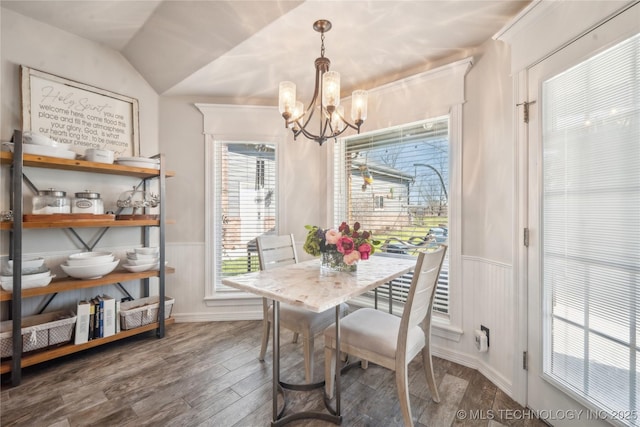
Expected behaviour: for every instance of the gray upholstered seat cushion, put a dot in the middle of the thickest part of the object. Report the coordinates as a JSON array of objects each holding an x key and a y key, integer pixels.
[
  {"x": 374, "y": 331},
  {"x": 303, "y": 318}
]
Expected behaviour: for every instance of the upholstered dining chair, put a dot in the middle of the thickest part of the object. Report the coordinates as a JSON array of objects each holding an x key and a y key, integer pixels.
[
  {"x": 391, "y": 341},
  {"x": 277, "y": 251}
]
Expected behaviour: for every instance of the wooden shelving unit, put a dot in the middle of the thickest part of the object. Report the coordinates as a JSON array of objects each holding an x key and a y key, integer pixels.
[
  {"x": 18, "y": 162},
  {"x": 63, "y": 350},
  {"x": 32, "y": 160},
  {"x": 70, "y": 284}
]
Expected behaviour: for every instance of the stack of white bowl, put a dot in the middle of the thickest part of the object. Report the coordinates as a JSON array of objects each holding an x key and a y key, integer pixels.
[
  {"x": 34, "y": 274},
  {"x": 142, "y": 259},
  {"x": 90, "y": 265}
]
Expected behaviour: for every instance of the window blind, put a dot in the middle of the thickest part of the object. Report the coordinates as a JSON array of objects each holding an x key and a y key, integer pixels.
[
  {"x": 395, "y": 183},
  {"x": 246, "y": 200},
  {"x": 591, "y": 229}
]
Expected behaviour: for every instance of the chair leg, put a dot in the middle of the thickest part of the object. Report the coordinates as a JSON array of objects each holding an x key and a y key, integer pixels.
[
  {"x": 428, "y": 371},
  {"x": 402, "y": 384},
  {"x": 307, "y": 344},
  {"x": 329, "y": 370},
  {"x": 265, "y": 338},
  {"x": 295, "y": 338}
]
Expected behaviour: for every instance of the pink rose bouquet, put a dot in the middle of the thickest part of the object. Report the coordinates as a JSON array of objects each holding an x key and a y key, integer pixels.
[{"x": 352, "y": 243}]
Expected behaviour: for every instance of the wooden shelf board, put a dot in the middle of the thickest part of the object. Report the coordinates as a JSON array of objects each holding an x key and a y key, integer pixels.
[
  {"x": 90, "y": 223},
  {"x": 70, "y": 284},
  {"x": 82, "y": 165},
  {"x": 72, "y": 223},
  {"x": 43, "y": 356}
]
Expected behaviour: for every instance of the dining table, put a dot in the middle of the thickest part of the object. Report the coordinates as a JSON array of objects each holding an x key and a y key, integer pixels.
[{"x": 309, "y": 285}]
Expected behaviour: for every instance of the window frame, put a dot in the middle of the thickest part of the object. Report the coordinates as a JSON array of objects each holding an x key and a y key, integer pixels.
[
  {"x": 262, "y": 125},
  {"x": 448, "y": 327}
]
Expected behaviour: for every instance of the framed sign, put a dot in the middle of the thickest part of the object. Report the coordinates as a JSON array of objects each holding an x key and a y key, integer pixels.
[{"x": 78, "y": 115}]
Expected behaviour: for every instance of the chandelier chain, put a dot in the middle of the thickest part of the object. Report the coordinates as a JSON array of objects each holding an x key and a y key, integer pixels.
[{"x": 326, "y": 100}]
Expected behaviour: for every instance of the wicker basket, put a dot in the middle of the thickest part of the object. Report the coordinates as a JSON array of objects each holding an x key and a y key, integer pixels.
[
  {"x": 39, "y": 331},
  {"x": 143, "y": 311}
]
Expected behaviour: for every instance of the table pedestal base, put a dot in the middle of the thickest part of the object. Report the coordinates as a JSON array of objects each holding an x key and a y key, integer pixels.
[{"x": 279, "y": 419}]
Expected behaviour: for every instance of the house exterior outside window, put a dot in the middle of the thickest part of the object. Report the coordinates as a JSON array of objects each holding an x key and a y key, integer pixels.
[{"x": 395, "y": 183}]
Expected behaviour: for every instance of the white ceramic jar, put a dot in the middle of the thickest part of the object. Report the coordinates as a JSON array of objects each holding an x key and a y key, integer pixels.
[{"x": 87, "y": 202}]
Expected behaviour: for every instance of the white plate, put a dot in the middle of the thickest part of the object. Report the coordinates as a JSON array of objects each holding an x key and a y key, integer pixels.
[
  {"x": 139, "y": 159},
  {"x": 136, "y": 164},
  {"x": 45, "y": 150},
  {"x": 139, "y": 268}
]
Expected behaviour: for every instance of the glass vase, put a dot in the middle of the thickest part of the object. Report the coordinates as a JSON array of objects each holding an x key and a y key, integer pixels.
[{"x": 333, "y": 261}]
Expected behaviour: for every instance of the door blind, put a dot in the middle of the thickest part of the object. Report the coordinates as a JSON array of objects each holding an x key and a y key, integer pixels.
[{"x": 591, "y": 229}]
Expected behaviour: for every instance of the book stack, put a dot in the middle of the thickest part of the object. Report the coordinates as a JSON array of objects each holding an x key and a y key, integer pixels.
[{"x": 97, "y": 318}]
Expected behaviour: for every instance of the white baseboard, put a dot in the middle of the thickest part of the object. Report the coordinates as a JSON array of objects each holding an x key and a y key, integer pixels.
[
  {"x": 218, "y": 317},
  {"x": 472, "y": 362}
]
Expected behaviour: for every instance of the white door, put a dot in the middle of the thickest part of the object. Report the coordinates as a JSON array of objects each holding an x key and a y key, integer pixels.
[{"x": 579, "y": 357}]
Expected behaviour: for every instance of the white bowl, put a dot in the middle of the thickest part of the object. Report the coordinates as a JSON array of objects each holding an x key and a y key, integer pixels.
[
  {"x": 29, "y": 265},
  {"x": 89, "y": 258},
  {"x": 99, "y": 156},
  {"x": 29, "y": 281},
  {"x": 141, "y": 261},
  {"x": 45, "y": 150},
  {"x": 38, "y": 139},
  {"x": 133, "y": 255},
  {"x": 146, "y": 251},
  {"x": 139, "y": 268},
  {"x": 26, "y": 271},
  {"x": 94, "y": 271},
  {"x": 90, "y": 261}
]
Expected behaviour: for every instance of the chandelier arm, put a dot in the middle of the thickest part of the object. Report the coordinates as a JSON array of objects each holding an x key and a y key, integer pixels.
[
  {"x": 308, "y": 114},
  {"x": 311, "y": 135},
  {"x": 355, "y": 126}
]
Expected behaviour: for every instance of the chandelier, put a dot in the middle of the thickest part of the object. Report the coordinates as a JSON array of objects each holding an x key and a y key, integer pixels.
[{"x": 325, "y": 101}]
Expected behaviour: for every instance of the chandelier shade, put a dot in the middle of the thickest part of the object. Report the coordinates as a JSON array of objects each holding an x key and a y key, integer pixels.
[{"x": 325, "y": 102}]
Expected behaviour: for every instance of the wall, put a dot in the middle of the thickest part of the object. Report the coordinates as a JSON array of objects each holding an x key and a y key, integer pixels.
[
  {"x": 488, "y": 294},
  {"x": 31, "y": 43}
]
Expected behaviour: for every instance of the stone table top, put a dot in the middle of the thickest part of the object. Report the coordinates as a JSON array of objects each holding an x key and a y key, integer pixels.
[{"x": 307, "y": 285}]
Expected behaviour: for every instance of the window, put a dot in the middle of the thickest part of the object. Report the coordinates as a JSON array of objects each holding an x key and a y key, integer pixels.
[
  {"x": 378, "y": 202},
  {"x": 591, "y": 229},
  {"x": 245, "y": 203},
  {"x": 396, "y": 184}
]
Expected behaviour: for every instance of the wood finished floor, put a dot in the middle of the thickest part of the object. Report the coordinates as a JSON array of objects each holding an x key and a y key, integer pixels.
[{"x": 208, "y": 374}]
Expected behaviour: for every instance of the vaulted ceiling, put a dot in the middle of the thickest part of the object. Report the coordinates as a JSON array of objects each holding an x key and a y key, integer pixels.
[{"x": 239, "y": 50}]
